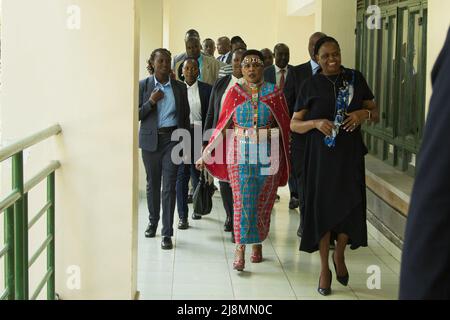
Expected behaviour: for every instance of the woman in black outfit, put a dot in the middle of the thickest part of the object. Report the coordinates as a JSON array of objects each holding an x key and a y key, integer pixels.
[{"x": 330, "y": 109}]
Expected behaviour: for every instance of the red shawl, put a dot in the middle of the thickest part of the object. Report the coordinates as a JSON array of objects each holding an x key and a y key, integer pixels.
[{"x": 237, "y": 96}]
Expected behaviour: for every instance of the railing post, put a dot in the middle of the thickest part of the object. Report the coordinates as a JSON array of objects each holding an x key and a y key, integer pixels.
[
  {"x": 25, "y": 245},
  {"x": 51, "y": 231},
  {"x": 20, "y": 262},
  {"x": 9, "y": 258}
]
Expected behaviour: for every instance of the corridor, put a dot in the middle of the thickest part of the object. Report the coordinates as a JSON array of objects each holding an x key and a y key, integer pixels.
[{"x": 200, "y": 266}]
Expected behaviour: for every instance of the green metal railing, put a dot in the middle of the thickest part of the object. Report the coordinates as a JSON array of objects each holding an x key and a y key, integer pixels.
[{"x": 15, "y": 208}]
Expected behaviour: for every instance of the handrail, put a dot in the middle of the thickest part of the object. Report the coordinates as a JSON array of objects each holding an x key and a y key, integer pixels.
[
  {"x": 41, "y": 285},
  {"x": 9, "y": 200},
  {"x": 38, "y": 252},
  {"x": 4, "y": 250},
  {"x": 39, "y": 215},
  {"x": 38, "y": 178},
  {"x": 15, "y": 205},
  {"x": 8, "y": 151}
]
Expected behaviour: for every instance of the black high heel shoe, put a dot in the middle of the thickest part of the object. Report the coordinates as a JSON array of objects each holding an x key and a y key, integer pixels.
[
  {"x": 342, "y": 280},
  {"x": 325, "y": 291}
]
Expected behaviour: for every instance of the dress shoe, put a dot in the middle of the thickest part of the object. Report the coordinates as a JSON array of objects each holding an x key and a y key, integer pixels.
[
  {"x": 228, "y": 226},
  {"x": 325, "y": 291},
  {"x": 190, "y": 199},
  {"x": 196, "y": 216},
  {"x": 294, "y": 203},
  {"x": 151, "y": 231},
  {"x": 183, "y": 224},
  {"x": 166, "y": 243},
  {"x": 342, "y": 280}
]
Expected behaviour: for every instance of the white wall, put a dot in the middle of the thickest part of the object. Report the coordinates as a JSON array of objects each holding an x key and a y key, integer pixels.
[
  {"x": 151, "y": 22},
  {"x": 438, "y": 26},
  {"x": 261, "y": 24},
  {"x": 337, "y": 18},
  {"x": 86, "y": 81}
]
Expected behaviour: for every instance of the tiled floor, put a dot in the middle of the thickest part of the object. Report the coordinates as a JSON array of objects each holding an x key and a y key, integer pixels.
[{"x": 199, "y": 267}]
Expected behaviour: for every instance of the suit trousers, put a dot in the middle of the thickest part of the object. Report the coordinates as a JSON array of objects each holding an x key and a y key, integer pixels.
[
  {"x": 160, "y": 168},
  {"x": 187, "y": 171}
]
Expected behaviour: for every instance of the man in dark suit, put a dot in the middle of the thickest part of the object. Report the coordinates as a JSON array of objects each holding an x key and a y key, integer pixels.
[
  {"x": 198, "y": 96},
  {"x": 278, "y": 74},
  {"x": 163, "y": 108},
  {"x": 268, "y": 57},
  {"x": 425, "y": 270},
  {"x": 224, "y": 49},
  {"x": 218, "y": 94},
  {"x": 294, "y": 81}
]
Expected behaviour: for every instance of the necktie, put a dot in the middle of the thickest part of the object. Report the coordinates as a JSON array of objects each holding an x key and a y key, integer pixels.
[{"x": 282, "y": 79}]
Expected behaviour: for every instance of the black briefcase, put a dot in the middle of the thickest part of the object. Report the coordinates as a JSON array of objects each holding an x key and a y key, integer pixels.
[{"x": 202, "y": 199}]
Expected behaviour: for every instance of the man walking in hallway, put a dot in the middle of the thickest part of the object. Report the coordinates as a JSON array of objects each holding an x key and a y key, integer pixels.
[
  {"x": 425, "y": 270},
  {"x": 163, "y": 108},
  {"x": 294, "y": 81},
  {"x": 277, "y": 74}
]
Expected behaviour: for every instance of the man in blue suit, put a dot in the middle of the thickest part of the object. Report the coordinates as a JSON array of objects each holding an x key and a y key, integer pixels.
[
  {"x": 163, "y": 108},
  {"x": 278, "y": 74},
  {"x": 198, "y": 96},
  {"x": 425, "y": 271}
]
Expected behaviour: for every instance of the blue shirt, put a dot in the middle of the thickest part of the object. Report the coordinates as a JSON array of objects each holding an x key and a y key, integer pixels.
[
  {"x": 200, "y": 67},
  {"x": 315, "y": 67},
  {"x": 167, "y": 111}
]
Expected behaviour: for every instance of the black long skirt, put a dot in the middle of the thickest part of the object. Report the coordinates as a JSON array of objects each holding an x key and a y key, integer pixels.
[{"x": 334, "y": 190}]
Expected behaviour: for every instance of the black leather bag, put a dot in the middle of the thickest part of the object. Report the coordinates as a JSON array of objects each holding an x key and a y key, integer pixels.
[{"x": 202, "y": 199}]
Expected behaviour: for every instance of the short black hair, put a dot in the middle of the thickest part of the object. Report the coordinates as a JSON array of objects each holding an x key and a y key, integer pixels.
[
  {"x": 153, "y": 56},
  {"x": 324, "y": 40},
  {"x": 253, "y": 52},
  {"x": 161, "y": 51},
  {"x": 237, "y": 39},
  {"x": 192, "y": 32},
  {"x": 181, "y": 66},
  {"x": 278, "y": 46},
  {"x": 190, "y": 59}
]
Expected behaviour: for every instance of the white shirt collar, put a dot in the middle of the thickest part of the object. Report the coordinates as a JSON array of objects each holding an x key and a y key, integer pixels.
[
  {"x": 314, "y": 65},
  {"x": 195, "y": 85},
  {"x": 277, "y": 69},
  {"x": 168, "y": 83}
]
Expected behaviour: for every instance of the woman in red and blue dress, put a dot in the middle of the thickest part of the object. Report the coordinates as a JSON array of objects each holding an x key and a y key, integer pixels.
[{"x": 250, "y": 149}]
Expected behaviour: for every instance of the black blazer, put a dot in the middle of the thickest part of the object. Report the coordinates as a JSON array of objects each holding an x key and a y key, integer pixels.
[
  {"x": 229, "y": 58},
  {"x": 270, "y": 76},
  {"x": 148, "y": 116},
  {"x": 294, "y": 81},
  {"x": 204, "y": 91},
  {"x": 217, "y": 93},
  {"x": 425, "y": 271}
]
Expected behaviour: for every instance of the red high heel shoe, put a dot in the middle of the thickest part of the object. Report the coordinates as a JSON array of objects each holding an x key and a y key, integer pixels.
[
  {"x": 256, "y": 254},
  {"x": 239, "y": 258}
]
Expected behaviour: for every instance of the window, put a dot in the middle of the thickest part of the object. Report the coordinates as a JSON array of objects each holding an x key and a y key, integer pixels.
[{"x": 393, "y": 60}]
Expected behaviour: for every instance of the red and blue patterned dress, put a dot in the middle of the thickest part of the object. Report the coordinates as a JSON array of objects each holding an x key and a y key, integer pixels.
[{"x": 256, "y": 165}]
